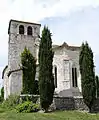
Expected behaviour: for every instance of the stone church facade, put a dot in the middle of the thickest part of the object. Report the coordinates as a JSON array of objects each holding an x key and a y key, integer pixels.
[{"x": 67, "y": 77}]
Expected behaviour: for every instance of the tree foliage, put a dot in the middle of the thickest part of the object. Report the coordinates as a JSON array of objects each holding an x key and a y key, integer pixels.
[
  {"x": 46, "y": 79},
  {"x": 2, "y": 94},
  {"x": 36, "y": 87},
  {"x": 87, "y": 75},
  {"x": 29, "y": 71},
  {"x": 97, "y": 86}
]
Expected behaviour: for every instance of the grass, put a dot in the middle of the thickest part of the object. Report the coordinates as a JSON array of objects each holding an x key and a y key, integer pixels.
[{"x": 58, "y": 115}]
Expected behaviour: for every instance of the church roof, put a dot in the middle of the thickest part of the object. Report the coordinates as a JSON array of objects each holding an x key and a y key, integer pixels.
[
  {"x": 73, "y": 48},
  {"x": 9, "y": 73},
  {"x": 4, "y": 71},
  {"x": 21, "y": 22}
]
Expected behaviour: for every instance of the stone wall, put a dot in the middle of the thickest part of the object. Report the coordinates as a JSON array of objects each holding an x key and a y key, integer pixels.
[
  {"x": 64, "y": 59},
  {"x": 65, "y": 103},
  {"x": 15, "y": 83},
  {"x": 79, "y": 104},
  {"x": 16, "y": 44},
  {"x": 70, "y": 103},
  {"x": 6, "y": 83}
]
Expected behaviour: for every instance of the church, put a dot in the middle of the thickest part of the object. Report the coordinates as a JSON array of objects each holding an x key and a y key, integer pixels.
[{"x": 67, "y": 78}]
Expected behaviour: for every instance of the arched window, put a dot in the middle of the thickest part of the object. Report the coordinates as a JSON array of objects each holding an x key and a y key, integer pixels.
[
  {"x": 29, "y": 30},
  {"x": 74, "y": 77},
  {"x": 55, "y": 78},
  {"x": 21, "y": 29}
]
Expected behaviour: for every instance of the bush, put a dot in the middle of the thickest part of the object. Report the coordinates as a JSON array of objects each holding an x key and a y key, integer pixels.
[
  {"x": 2, "y": 95},
  {"x": 29, "y": 98},
  {"x": 27, "y": 107},
  {"x": 11, "y": 102},
  {"x": 2, "y": 92},
  {"x": 1, "y": 99}
]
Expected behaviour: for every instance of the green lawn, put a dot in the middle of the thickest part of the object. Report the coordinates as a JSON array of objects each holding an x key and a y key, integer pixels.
[{"x": 58, "y": 115}]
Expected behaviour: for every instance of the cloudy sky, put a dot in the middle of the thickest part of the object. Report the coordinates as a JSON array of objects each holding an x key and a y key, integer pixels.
[{"x": 72, "y": 21}]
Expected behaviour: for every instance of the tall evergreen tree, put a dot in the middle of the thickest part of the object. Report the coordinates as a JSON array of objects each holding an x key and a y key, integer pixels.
[
  {"x": 46, "y": 79},
  {"x": 29, "y": 71},
  {"x": 97, "y": 86},
  {"x": 87, "y": 75}
]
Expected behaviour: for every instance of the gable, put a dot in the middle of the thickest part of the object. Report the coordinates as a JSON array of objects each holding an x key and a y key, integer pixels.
[{"x": 68, "y": 52}]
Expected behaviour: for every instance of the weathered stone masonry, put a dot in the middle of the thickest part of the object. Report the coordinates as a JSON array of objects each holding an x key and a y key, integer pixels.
[
  {"x": 65, "y": 62},
  {"x": 16, "y": 44}
]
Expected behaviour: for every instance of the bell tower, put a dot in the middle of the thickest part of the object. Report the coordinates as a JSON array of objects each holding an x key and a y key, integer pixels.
[{"x": 21, "y": 35}]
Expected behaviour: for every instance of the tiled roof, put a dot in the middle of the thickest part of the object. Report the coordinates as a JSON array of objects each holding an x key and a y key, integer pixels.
[{"x": 73, "y": 48}]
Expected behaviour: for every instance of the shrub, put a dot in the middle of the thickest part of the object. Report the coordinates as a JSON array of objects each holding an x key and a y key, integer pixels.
[
  {"x": 11, "y": 102},
  {"x": 33, "y": 98},
  {"x": 2, "y": 92},
  {"x": 1, "y": 99},
  {"x": 27, "y": 107}
]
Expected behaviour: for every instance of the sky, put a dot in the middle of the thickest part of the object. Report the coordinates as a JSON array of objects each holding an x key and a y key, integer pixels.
[{"x": 70, "y": 21}]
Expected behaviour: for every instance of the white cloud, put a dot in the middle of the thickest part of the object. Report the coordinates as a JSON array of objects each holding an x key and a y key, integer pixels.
[
  {"x": 38, "y": 9},
  {"x": 64, "y": 6}
]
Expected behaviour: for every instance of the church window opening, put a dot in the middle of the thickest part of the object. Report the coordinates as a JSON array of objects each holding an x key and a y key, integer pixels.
[
  {"x": 21, "y": 29},
  {"x": 29, "y": 30},
  {"x": 55, "y": 78},
  {"x": 74, "y": 77},
  {"x": 66, "y": 69}
]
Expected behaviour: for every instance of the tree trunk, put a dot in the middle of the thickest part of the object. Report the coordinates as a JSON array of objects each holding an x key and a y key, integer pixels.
[
  {"x": 90, "y": 110},
  {"x": 46, "y": 110}
]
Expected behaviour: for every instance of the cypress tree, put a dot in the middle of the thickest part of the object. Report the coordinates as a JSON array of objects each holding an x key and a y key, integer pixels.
[
  {"x": 29, "y": 71},
  {"x": 87, "y": 75},
  {"x": 97, "y": 86},
  {"x": 46, "y": 79}
]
